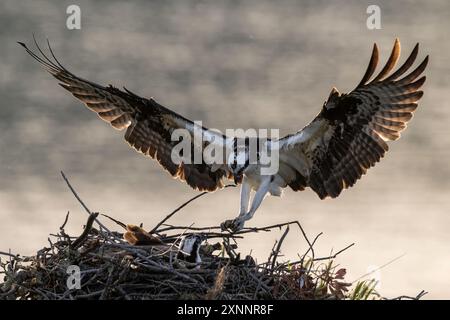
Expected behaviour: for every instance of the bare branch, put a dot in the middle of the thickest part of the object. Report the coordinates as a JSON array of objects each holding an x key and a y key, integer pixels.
[
  {"x": 181, "y": 207},
  {"x": 82, "y": 203}
]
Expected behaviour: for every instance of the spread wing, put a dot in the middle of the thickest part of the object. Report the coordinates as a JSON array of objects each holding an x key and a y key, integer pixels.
[
  {"x": 149, "y": 126},
  {"x": 349, "y": 135}
]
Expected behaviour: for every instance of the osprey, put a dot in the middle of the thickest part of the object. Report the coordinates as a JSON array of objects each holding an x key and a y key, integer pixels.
[
  {"x": 189, "y": 248},
  {"x": 330, "y": 154}
]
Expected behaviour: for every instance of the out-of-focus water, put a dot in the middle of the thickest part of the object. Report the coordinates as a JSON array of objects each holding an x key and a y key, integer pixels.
[{"x": 232, "y": 64}]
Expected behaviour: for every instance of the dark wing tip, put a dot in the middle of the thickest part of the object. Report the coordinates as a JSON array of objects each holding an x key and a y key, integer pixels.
[
  {"x": 371, "y": 67},
  {"x": 424, "y": 63},
  {"x": 419, "y": 83},
  {"x": 391, "y": 62},
  {"x": 406, "y": 65},
  {"x": 40, "y": 56},
  {"x": 415, "y": 73}
]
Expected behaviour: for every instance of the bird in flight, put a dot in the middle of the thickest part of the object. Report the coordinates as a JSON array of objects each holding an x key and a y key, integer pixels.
[{"x": 330, "y": 154}]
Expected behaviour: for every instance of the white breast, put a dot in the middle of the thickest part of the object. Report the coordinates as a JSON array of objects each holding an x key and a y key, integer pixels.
[{"x": 254, "y": 178}]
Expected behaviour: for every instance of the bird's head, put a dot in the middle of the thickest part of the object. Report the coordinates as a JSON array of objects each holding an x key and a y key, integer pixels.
[
  {"x": 238, "y": 162},
  {"x": 190, "y": 247}
]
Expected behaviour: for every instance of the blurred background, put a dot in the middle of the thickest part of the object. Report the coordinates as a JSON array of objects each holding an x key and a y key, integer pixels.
[{"x": 232, "y": 64}]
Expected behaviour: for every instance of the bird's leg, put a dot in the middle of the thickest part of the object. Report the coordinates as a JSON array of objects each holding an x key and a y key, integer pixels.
[
  {"x": 238, "y": 223},
  {"x": 258, "y": 198},
  {"x": 245, "y": 198}
]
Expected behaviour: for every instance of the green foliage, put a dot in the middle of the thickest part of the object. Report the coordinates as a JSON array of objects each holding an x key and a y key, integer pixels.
[{"x": 364, "y": 290}]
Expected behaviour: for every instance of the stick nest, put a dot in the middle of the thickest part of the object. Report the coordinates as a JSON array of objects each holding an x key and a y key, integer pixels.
[{"x": 136, "y": 264}]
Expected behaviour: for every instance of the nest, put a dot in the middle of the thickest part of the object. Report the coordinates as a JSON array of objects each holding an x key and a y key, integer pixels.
[
  {"x": 112, "y": 268},
  {"x": 137, "y": 264}
]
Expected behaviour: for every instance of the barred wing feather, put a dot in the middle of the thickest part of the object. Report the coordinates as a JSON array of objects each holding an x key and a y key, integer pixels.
[{"x": 349, "y": 135}]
